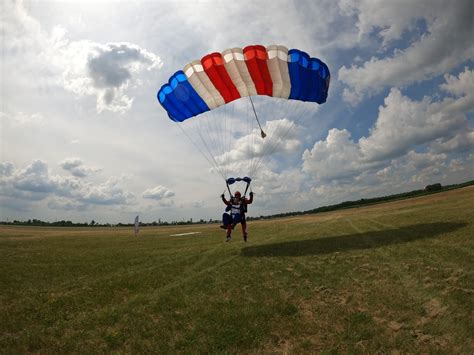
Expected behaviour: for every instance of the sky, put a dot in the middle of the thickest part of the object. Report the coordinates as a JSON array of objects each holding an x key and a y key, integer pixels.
[{"x": 84, "y": 138}]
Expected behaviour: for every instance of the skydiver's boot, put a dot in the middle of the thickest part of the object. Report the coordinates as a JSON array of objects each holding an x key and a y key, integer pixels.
[
  {"x": 228, "y": 238},
  {"x": 245, "y": 237}
]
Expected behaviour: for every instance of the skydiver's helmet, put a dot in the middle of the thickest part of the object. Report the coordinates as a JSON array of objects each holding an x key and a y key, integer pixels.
[{"x": 237, "y": 194}]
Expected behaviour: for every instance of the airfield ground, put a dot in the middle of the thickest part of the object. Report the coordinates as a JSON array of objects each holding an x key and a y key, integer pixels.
[{"x": 392, "y": 277}]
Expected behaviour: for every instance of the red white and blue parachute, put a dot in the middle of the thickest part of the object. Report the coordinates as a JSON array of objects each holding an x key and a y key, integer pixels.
[
  {"x": 280, "y": 87},
  {"x": 220, "y": 78}
]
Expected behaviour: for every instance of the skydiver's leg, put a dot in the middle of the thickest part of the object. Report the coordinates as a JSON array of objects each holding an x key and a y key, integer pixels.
[
  {"x": 244, "y": 229},
  {"x": 226, "y": 220},
  {"x": 236, "y": 218},
  {"x": 228, "y": 235}
]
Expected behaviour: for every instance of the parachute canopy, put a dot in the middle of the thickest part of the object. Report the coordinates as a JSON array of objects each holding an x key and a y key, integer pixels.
[
  {"x": 220, "y": 78},
  {"x": 238, "y": 136}
]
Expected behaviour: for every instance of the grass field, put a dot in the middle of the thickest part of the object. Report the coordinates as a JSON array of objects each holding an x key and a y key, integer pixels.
[{"x": 394, "y": 277}]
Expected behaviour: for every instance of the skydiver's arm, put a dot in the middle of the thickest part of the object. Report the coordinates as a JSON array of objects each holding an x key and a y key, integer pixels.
[
  {"x": 224, "y": 200},
  {"x": 249, "y": 201}
]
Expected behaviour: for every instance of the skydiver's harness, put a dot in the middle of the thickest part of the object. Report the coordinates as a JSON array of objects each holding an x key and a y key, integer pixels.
[
  {"x": 234, "y": 209},
  {"x": 242, "y": 207}
]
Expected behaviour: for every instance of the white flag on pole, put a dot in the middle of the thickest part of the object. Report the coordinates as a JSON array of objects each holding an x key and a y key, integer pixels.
[{"x": 137, "y": 224}]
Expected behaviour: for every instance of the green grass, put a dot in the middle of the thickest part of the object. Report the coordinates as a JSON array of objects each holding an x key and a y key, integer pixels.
[{"x": 391, "y": 277}]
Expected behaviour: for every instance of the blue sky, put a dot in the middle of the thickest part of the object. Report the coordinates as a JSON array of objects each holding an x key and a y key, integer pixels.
[{"x": 83, "y": 137}]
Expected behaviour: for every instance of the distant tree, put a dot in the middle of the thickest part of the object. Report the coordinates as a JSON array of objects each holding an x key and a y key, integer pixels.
[
  {"x": 92, "y": 223},
  {"x": 433, "y": 187}
]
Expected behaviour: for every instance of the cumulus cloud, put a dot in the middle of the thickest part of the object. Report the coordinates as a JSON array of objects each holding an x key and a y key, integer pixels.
[
  {"x": 158, "y": 193},
  {"x": 6, "y": 169},
  {"x": 32, "y": 183},
  {"x": 463, "y": 141},
  {"x": 413, "y": 170},
  {"x": 446, "y": 43},
  {"x": 282, "y": 136},
  {"x": 85, "y": 68},
  {"x": 403, "y": 123},
  {"x": 109, "y": 192},
  {"x": 402, "y": 126},
  {"x": 77, "y": 167},
  {"x": 338, "y": 156},
  {"x": 271, "y": 188},
  {"x": 462, "y": 87},
  {"x": 103, "y": 70},
  {"x": 35, "y": 178},
  {"x": 36, "y": 182}
]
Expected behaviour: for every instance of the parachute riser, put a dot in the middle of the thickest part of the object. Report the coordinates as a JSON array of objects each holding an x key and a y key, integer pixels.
[
  {"x": 228, "y": 188},
  {"x": 262, "y": 133},
  {"x": 246, "y": 188},
  {"x": 230, "y": 181}
]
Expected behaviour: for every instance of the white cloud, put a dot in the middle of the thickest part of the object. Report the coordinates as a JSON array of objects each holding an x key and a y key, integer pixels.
[
  {"x": 85, "y": 68},
  {"x": 282, "y": 136},
  {"x": 22, "y": 119},
  {"x": 36, "y": 183},
  {"x": 409, "y": 172},
  {"x": 6, "y": 169},
  {"x": 462, "y": 87},
  {"x": 463, "y": 141},
  {"x": 76, "y": 167},
  {"x": 35, "y": 178},
  {"x": 104, "y": 71},
  {"x": 64, "y": 204},
  {"x": 403, "y": 123},
  {"x": 158, "y": 193},
  {"x": 336, "y": 157},
  {"x": 20, "y": 32},
  {"x": 109, "y": 192},
  {"x": 281, "y": 21},
  {"x": 446, "y": 43}
]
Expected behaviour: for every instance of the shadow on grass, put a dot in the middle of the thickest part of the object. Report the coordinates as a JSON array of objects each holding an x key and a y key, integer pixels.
[{"x": 340, "y": 243}]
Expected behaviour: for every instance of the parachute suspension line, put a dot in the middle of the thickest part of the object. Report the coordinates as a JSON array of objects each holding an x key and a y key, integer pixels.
[
  {"x": 229, "y": 117},
  {"x": 199, "y": 149},
  {"x": 262, "y": 133},
  {"x": 208, "y": 143},
  {"x": 218, "y": 168},
  {"x": 217, "y": 130}
]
